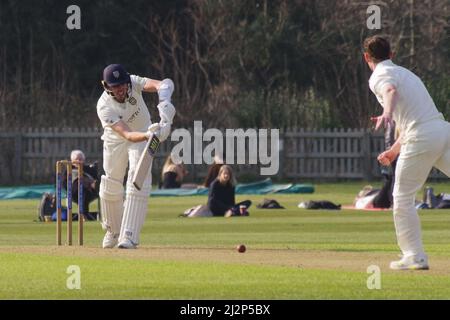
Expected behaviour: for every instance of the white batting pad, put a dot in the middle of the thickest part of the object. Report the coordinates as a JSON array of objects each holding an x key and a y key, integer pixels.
[
  {"x": 111, "y": 202},
  {"x": 133, "y": 217}
]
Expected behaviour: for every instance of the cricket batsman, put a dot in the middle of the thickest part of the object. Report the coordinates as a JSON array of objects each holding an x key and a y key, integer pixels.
[
  {"x": 424, "y": 142},
  {"x": 127, "y": 126}
]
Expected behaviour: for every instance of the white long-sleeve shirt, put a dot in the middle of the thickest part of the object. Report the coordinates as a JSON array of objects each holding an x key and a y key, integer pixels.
[
  {"x": 414, "y": 104},
  {"x": 133, "y": 111}
]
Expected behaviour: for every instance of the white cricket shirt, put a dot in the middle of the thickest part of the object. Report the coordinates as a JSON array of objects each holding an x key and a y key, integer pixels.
[
  {"x": 133, "y": 111},
  {"x": 414, "y": 105}
]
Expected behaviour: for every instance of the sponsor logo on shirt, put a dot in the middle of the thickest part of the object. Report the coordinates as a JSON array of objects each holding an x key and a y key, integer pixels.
[
  {"x": 134, "y": 115},
  {"x": 132, "y": 101}
]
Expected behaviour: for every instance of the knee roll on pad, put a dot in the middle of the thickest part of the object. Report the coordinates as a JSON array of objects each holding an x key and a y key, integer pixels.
[
  {"x": 111, "y": 189},
  {"x": 144, "y": 192}
]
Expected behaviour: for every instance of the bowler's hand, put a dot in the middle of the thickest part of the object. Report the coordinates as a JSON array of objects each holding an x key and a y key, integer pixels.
[
  {"x": 386, "y": 157},
  {"x": 385, "y": 119}
]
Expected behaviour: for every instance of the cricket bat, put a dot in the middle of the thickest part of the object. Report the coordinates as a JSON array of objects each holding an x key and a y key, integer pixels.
[{"x": 145, "y": 161}]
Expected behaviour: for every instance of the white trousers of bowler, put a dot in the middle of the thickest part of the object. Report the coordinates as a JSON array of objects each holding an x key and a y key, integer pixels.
[
  {"x": 426, "y": 146},
  {"x": 116, "y": 158}
]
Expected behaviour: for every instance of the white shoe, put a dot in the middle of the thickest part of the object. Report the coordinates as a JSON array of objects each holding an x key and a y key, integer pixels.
[
  {"x": 127, "y": 244},
  {"x": 411, "y": 263},
  {"x": 110, "y": 240}
]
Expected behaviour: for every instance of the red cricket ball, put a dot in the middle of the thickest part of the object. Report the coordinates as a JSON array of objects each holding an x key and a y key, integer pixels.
[{"x": 241, "y": 248}]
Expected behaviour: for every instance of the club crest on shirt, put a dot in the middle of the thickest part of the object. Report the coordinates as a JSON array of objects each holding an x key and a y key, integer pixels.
[{"x": 132, "y": 101}]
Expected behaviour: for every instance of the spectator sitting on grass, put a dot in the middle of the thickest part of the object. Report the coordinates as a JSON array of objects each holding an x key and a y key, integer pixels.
[
  {"x": 221, "y": 198},
  {"x": 90, "y": 179},
  {"x": 172, "y": 174}
]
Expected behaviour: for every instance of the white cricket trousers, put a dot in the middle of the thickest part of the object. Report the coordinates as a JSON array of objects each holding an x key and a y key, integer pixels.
[
  {"x": 426, "y": 146},
  {"x": 116, "y": 158}
]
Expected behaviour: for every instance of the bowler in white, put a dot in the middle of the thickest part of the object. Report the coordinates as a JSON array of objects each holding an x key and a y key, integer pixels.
[{"x": 423, "y": 143}]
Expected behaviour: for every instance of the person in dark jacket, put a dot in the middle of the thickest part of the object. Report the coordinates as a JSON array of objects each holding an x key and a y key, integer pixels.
[
  {"x": 90, "y": 180},
  {"x": 213, "y": 171},
  {"x": 221, "y": 198},
  {"x": 381, "y": 198}
]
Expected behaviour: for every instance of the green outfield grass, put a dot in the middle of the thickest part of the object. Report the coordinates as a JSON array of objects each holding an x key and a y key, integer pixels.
[{"x": 291, "y": 254}]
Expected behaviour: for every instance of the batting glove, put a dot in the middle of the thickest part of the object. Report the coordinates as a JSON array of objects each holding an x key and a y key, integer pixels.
[{"x": 153, "y": 129}]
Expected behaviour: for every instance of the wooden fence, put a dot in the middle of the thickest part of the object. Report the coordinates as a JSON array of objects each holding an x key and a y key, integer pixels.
[
  {"x": 28, "y": 156},
  {"x": 332, "y": 153}
]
